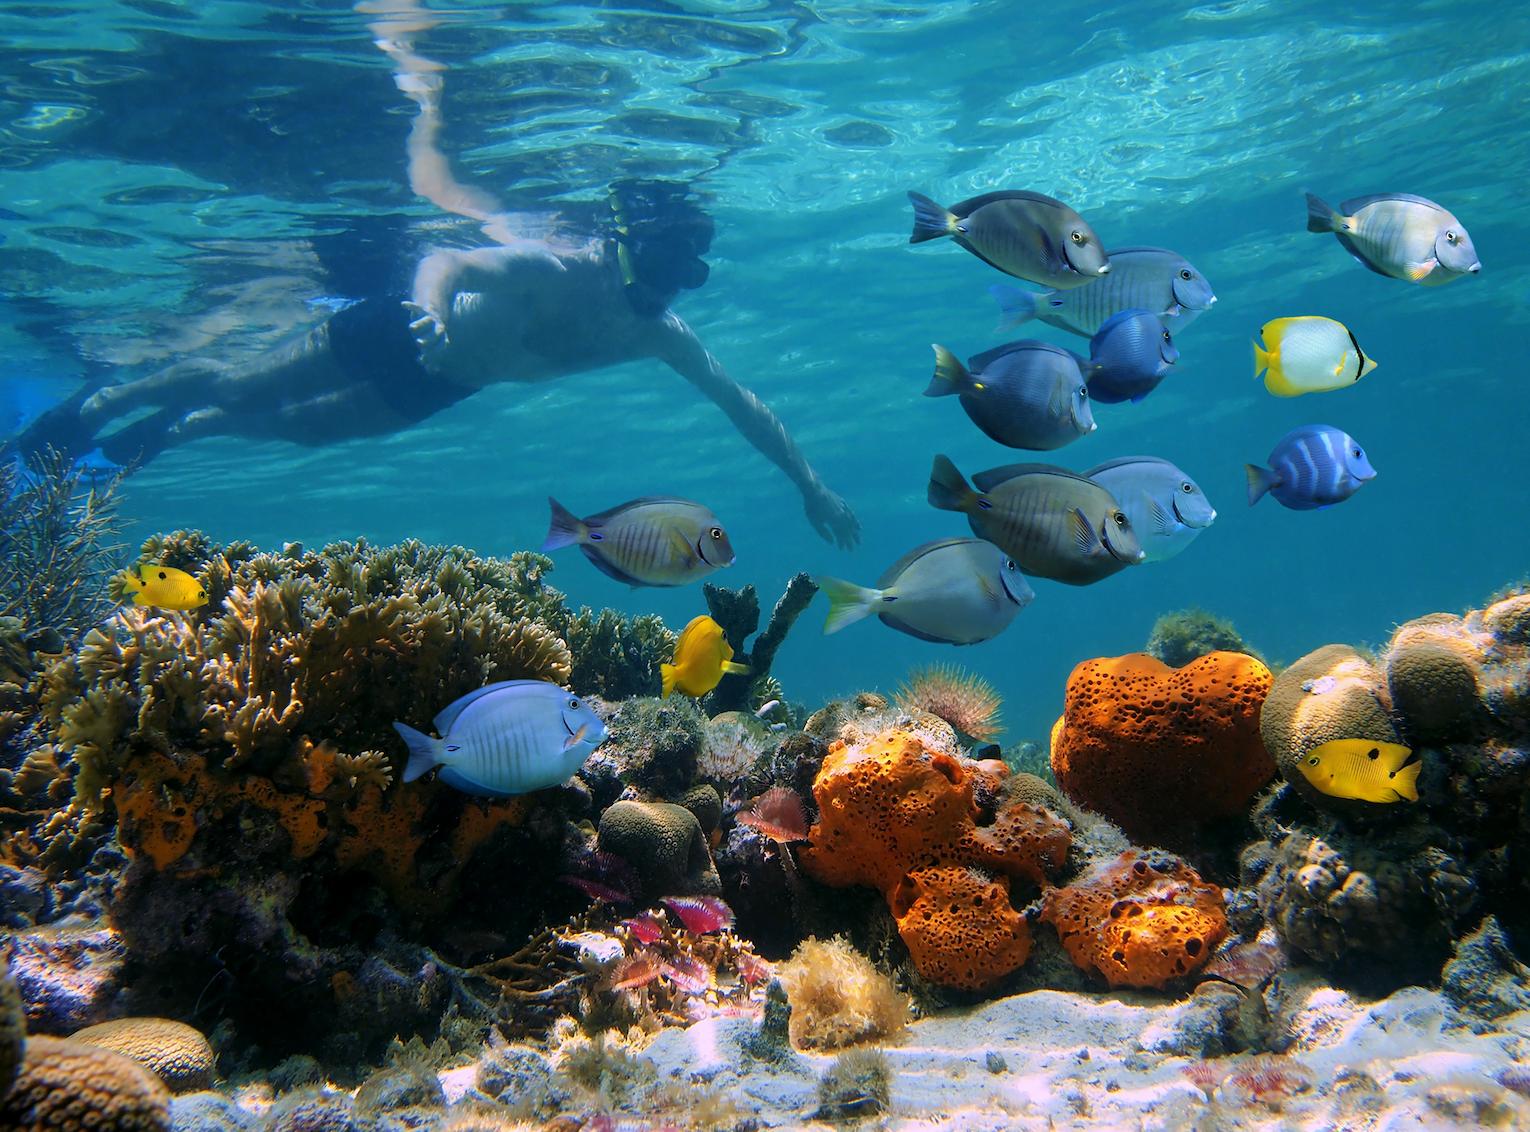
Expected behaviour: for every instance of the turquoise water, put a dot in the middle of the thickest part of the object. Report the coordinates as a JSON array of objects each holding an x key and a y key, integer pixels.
[{"x": 163, "y": 166}]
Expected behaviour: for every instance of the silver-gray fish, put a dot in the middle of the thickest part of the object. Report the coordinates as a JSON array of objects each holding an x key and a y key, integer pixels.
[
  {"x": 1400, "y": 236},
  {"x": 1167, "y": 508},
  {"x": 1054, "y": 523},
  {"x": 1026, "y": 394},
  {"x": 507, "y": 738},
  {"x": 1150, "y": 279},
  {"x": 1027, "y": 235},
  {"x": 957, "y": 591},
  {"x": 653, "y": 541}
]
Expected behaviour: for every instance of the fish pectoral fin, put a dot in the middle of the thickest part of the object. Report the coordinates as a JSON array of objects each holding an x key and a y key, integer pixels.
[
  {"x": 735, "y": 667},
  {"x": 577, "y": 737},
  {"x": 1162, "y": 518},
  {"x": 1084, "y": 536},
  {"x": 1413, "y": 272}
]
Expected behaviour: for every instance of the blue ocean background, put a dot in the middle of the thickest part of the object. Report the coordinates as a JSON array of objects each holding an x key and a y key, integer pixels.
[{"x": 164, "y": 166}]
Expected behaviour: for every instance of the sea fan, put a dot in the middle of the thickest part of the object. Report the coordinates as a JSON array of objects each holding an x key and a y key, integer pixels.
[
  {"x": 700, "y": 914},
  {"x": 1204, "y": 1076},
  {"x": 967, "y": 702},
  {"x": 644, "y": 927},
  {"x": 1267, "y": 1081},
  {"x": 778, "y": 815}
]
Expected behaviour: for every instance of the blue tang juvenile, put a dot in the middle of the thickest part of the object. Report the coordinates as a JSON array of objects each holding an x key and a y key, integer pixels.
[
  {"x": 957, "y": 591},
  {"x": 1167, "y": 508},
  {"x": 1024, "y": 394},
  {"x": 508, "y": 738},
  {"x": 1311, "y": 467},
  {"x": 1129, "y": 357},
  {"x": 1152, "y": 279}
]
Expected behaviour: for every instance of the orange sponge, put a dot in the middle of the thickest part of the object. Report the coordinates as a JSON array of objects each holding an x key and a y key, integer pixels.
[
  {"x": 959, "y": 926},
  {"x": 1157, "y": 749},
  {"x": 1138, "y": 921}
]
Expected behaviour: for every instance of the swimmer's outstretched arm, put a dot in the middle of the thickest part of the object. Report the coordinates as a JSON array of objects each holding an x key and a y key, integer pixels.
[{"x": 678, "y": 346}]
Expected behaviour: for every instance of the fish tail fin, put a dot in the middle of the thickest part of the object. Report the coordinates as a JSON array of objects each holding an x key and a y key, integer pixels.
[
  {"x": 565, "y": 529},
  {"x": 1016, "y": 304},
  {"x": 949, "y": 489},
  {"x": 931, "y": 220},
  {"x": 1260, "y": 480},
  {"x": 667, "y": 674},
  {"x": 848, "y": 603},
  {"x": 424, "y": 752},
  {"x": 1321, "y": 218},
  {"x": 950, "y": 375},
  {"x": 736, "y": 668},
  {"x": 1405, "y": 781}
]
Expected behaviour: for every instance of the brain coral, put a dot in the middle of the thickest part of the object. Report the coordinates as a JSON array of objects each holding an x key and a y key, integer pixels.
[
  {"x": 1138, "y": 921},
  {"x": 1334, "y": 692},
  {"x": 1433, "y": 666},
  {"x": 1158, "y": 749},
  {"x": 68, "y": 1086},
  {"x": 905, "y": 820},
  {"x": 174, "y": 1052}
]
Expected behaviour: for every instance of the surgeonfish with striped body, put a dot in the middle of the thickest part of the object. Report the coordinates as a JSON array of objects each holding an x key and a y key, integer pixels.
[
  {"x": 1027, "y": 235},
  {"x": 1129, "y": 357},
  {"x": 1053, "y": 523},
  {"x": 1311, "y": 467},
  {"x": 1152, "y": 279},
  {"x": 702, "y": 655},
  {"x": 164, "y": 587},
  {"x": 1023, "y": 394},
  {"x": 957, "y": 591},
  {"x": 1308, "y": 354},
  {"x": 1399, "y": 235},
  {"x": 1365, "y": 770},
  {"x": 1167, "y": 508},
  {"x": 508, "y": 738},
  {"x": 652, "y": 541}
]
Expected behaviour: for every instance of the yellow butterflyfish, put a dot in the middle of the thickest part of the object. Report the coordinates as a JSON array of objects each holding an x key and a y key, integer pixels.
[
  {"x": 702, "y": 655},
  {"x": 1366, "y": 770},
  {"x": 164, "y": 587},
  {"x": 1308, "y": 354}
]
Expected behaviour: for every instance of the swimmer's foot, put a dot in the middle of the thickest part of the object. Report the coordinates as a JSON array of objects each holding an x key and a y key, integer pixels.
[{"x": 60, "y": 428}]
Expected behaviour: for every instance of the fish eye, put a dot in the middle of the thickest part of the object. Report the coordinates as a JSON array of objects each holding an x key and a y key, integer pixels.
[
  {"x": 1184, "y": 273},
  {"x": 163, "y": 575},
  {"x": 1009, "y": 564},
  {"x": 1120, "y": 519},
  {"x": 1313, "y": 761},
  {"x": 1165, "y": 335},
  {"x": 1452, "y": 237},
  {"x": 573, "y": 703},
  {"x": 716, "y": 533},
  {"x": 1076, "y": 236},
  {"x": 1083, "y": 392},
  {"x": 1357, "y": 453},
  {"x": 1187, "y": 487}
]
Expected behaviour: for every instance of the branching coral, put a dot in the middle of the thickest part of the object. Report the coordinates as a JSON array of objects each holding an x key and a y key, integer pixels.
[{"x": 739, "y": 614}]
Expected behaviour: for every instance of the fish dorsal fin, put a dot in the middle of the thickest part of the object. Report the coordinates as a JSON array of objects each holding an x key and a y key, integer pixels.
[
  {"x": 993, "y": 477},
  {"x": 448, "y": 715},
  {"x": 1083, "y": 533},
  {"x": 639, "y": 502},
  {"x": 1350, "y": 207},
  {"x": 967, "y": 207},
  {"x": 1141, "y": 249},
  {"x": 1124, "y": 461},
  {"x": 896, "y": 570},
  {"x": 979, "y": 362}
]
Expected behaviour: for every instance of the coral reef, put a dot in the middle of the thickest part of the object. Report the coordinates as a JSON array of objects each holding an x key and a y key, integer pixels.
[
  {"x": 664, "y": 843},
  {"x": 738, "y": 612},
  {"x": 838, "y": 997},
  {"x": 891, "y": 807},
  {"x": 1160, "y": 750},
  {"x": 69, "y": 974},
  {"x": 13, "y": 1029},
  {"x": 966, "y": 701},
  {"x": 1185, "y": 635},
  {"x": 1484, "y": 978},
  {"x": 959, "y": 926},
  {"x": 69, "y": 1086},
  {"x": 615, "y": 657},
  {"x": 178, "y": 1054},
  {"x": 856, "y": 1085},
  {"x": 1142, "y": 920}
]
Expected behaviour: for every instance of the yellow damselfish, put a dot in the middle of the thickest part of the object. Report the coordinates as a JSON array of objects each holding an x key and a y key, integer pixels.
[
  {"x": 702, "y": 655},
  {"x": 1365, "y": 770},
  {"x": 164, "y": 587}
]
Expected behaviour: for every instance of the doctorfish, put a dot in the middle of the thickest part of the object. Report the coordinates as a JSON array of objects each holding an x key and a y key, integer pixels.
[
  {"x": 1026, "y": 235},
  {"x": 1026, "y": 394},
  {"x": 1152, "y": 279},
  {"x": 1129, "y": 357},
  {"x": 1399, "y": 235},
  {"x": 1366, "y": 770},
  {"x": 164, "y": 587},
  {"x": 957, "y": 591},
  {"x": 506, "y": 738},
  {"x": 1311, "y": 467},
  {"x": 1167, "y": 508},
  {"x": 652, "y": 541},
  {"x": 1053, "y": 523},
  {"x": 702, "y": 655},
  {"x": 1308, "y": 354}
]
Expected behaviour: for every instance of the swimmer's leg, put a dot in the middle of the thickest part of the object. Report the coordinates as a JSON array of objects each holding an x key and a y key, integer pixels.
[
  {"x": 145, "y": 439},
  {"x": 62, "y": 428}
]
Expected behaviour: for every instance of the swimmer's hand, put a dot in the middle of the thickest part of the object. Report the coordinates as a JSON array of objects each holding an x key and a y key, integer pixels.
[
  {"x": 832, "y": 518},
  {"x": 429, "y": 329}
]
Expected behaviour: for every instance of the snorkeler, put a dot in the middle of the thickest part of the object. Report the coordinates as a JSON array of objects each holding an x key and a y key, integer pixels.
[{"x": 526, "y": 309}]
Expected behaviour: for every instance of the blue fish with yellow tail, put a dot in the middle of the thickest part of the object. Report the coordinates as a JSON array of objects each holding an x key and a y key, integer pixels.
[
  {"x": 508, "y": 738},
  {"x": 1311, "y": 467}
]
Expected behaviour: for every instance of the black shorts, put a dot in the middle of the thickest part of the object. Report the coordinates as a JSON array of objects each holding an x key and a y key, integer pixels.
[{"x": 372, "y": 342}]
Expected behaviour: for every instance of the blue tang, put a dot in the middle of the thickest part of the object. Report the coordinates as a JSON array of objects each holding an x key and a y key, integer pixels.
[
  {"x": 1026, "y": 394},
  {"x": 1153, "y": 279},
  {"x": 1167, "y": 508},
  {"x": 508, "y": 738},
  {"x": 1311, "y": 467},
  {"x": 1129, "y": 357}
]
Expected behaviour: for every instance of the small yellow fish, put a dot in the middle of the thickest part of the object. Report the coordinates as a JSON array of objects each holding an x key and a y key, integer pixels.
[
  {"x": 1366, "y": 770},
  {"x": 1309, "y": 354},
  {"x": 702, "y": 655},
  {"x": 164, "y": 587}
]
